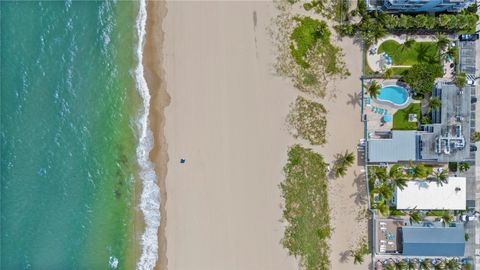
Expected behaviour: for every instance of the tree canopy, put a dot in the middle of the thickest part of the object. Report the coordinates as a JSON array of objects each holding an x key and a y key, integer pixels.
[{"x": 421, "y": 77}]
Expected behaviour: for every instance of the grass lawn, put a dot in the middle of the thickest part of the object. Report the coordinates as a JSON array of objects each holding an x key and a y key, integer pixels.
[
  {"x": 399, "y": 70},
  {"x": 400, "y": 118},
  {"x": 419, "y": 52}
]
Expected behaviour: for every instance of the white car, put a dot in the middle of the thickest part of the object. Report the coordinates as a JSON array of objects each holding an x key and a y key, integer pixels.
[{"x": 471, "y": 82}]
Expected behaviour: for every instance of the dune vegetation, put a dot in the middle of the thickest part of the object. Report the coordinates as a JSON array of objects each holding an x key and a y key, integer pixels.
[
  {"x": 307, "y": 120},
  {"x": 305, "y": 191}
]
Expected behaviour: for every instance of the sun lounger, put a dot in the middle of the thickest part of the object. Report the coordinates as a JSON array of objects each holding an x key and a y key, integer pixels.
[
  {"x": 390, "y": 243},
  {"x": 385, "y": 112},
  {"x": 380, "y": 111},
  {"x": 383, "y": 223}
]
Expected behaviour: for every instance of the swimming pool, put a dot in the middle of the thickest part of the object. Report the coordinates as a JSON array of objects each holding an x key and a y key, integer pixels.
[{"x": 394, "y": 94}]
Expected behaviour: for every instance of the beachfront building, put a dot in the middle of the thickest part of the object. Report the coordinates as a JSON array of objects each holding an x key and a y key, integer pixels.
[
  {"x": 426, "y": 239},
  {"x": 419, "y": 6},
  {"x": 445, "y": 139},
  {"x": 426, "y": 195}
]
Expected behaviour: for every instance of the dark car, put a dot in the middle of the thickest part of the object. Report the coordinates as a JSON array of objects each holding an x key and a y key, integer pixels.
[
  {"x": 452, "y": 65},
  {"x": 473, "y": 148},
  {"x": 468, "y": 37}
]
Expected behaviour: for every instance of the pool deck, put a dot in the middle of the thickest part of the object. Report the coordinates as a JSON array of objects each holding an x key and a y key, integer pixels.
[{"x": 375, "y": 122}]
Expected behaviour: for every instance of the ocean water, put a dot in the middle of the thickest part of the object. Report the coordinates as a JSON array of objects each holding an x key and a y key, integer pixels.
[{"x": 72, "y": 118}]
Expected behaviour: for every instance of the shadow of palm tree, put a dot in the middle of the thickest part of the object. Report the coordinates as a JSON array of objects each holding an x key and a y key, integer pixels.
[
  {"x": 425, "y": 54},
  {"x": 359, "y": 181},
  {"x": 354, "y": 99},
  {"x": 345, "y": 256}
]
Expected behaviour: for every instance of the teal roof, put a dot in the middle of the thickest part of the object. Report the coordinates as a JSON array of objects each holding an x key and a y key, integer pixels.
[{"x": 434, "y": 241}]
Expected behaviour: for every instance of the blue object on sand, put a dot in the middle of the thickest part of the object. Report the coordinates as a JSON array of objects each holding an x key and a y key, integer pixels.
[{"x": 182, "y": 161}]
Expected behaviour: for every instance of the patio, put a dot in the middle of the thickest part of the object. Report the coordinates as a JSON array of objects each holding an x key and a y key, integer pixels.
[{"x": 387, "y": 234}]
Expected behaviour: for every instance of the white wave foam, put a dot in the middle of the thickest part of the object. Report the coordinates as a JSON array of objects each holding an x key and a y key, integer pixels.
[{"x": 150, "y": 198}]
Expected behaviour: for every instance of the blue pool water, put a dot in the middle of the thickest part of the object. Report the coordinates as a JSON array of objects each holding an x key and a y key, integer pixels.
[{"x": 394, "y": 94}]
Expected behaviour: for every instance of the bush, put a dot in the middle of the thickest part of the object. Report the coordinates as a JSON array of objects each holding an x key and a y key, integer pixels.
[
  {"x": 475, "y": 136},
  {"x": 421, "y": 77},
  {"x": 463, "y": 166},
  {"x": 453, "y": 166}
]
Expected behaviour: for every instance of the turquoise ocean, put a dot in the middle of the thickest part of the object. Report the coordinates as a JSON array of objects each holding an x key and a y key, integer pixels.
[{"x": 70, "y": 131}]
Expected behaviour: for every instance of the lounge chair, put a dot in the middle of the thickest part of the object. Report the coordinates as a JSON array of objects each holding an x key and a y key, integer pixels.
[
  {"x": 385, "y": 112},
  {"x": 381, "y": 110}
]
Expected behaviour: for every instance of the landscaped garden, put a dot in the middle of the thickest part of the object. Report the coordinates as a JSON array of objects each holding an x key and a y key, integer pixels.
[
  {"x": 401, "y": 117},
  {"x": 410, "y": 53},
  {"x": 383, "y": 181}
]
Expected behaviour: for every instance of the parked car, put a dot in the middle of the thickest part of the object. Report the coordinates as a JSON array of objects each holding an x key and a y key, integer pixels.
[
  {"x": 471, "y": 82},
  {"x": 468, "y": 37},
  {"x": 466, "y": 218}
]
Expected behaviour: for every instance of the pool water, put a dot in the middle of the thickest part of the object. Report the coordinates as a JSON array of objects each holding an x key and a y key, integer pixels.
[{"x": 394, "y": 94}]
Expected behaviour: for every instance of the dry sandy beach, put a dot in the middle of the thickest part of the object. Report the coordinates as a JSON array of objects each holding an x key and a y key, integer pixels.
[{"x": 226, "y": 118}]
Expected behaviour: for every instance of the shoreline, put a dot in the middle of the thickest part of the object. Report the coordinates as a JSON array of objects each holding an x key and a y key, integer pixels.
[{"x": 154, "y": 75}]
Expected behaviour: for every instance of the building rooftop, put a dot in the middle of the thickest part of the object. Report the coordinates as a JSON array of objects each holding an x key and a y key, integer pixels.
[
  {"x": 425, "y": 195},
  {"x": 448, "y": 137},
  {"x": 401, "y": 146},
  {"x": 434, "y": 240}
]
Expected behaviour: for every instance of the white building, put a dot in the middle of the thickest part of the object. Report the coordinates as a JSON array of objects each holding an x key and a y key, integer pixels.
[{"x": 425, "y": 195}]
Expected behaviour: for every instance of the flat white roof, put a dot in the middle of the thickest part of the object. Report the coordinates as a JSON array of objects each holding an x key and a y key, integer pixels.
[{"x": 427, "y": 195}]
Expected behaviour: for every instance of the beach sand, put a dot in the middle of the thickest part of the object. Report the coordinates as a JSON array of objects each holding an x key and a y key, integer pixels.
[
  {"x": 226, "y": 118},
  {"x": 347, "y": 195}
]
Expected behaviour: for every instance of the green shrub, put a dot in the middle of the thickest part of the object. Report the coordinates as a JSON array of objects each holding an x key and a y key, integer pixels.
[{"x": 453, "y": 166}]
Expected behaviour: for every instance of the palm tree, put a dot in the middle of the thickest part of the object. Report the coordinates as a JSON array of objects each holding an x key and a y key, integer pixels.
[
  {"x": 373, "y": 89},
  {"x": 383, "y": 209},
  {"x": 447, "y": 218},
  {"x": 460, "y": 80},
  {"x": 442, "y": 42},
  {"x": 390, "y": 266},
  {"x": 397, "y": 177},
  {"x": 426, "y": 264},
  {"x": 340, "y": 170},
  {"x": 440, "y": 266},
  {"x": 358, "y": 257},
  {"x": 463, "y": 166},
  {"x": 401, "y": 265},
  {"x": 388, "y": 73},
  {"x": 412, "y": 265},
  {"x": 452, "y": 264},
  {"x": 414, "y": 216},
  {"x": 451, "y": 53},
  {"x": 408, "y": 44},
  {"x": 441, "y": 177},
  {"x": 385, "y": 191},
  {"x": 347, "y": 158},
  {"x": 434, "y": 103}
]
